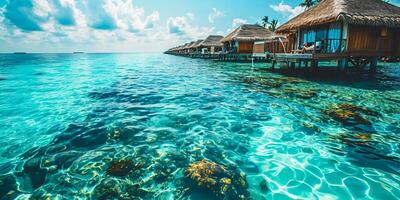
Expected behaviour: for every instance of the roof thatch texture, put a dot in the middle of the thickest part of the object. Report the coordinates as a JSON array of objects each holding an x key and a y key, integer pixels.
[
  {"x": 248, "y": 32},
  {"x": 212, "y": 41},
  {"x": 188, "y": 45},
  {"x": 363, "y": 12},
  {"x": 195, "y": 44}
]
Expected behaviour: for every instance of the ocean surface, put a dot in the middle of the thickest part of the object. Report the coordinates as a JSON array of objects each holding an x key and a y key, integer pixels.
[{"x": 153, "y": 126}]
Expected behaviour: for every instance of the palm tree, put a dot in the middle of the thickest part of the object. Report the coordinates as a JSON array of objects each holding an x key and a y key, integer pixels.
[
  {"x": 265, "y": 21},
  {"x": 273, "y": 25},
  {"x": 309, "y": 3}
]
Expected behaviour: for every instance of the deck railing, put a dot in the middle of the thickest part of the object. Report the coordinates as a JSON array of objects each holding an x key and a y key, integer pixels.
[{"x": 331, "y": 46}]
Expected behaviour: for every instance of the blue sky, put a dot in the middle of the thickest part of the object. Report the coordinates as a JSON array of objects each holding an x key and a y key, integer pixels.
[{"x": 126, "y": 25}]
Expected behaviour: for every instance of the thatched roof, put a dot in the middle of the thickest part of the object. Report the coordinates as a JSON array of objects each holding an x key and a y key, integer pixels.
[
  {"x": 187, "y": 46},
  {"x": 248, "y": 32},
  {"x": 212, "y": 41},
  {"x": 183, "y": 46},
  {"x": 363, "y": 12},
  {"x": 195, "y": 44}
]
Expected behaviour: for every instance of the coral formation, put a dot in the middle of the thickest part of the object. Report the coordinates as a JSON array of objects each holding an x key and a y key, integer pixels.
[
  {"x": 121, "y": 167},
  {"x": 350, "y": 114},
  {"x": 223, "y": 183}
]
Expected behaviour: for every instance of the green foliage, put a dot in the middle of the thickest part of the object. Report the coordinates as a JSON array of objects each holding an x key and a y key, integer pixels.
[
  {"x": 271, "y": 25},
  {"x": 309, "y": 3}
]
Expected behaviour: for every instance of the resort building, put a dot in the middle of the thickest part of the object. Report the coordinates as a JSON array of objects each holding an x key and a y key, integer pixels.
[
  {"x": 241, "y": 40},
  {"x": 210, "y": 45},
  {"x": 345, "y": 29},
  {"x": 181, "y": 49},
  {"x": 193, "y": 49},
  {"x": 186, "y": 49}
]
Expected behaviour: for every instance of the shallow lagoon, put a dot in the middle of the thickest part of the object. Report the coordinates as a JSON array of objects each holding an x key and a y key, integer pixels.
[{"x": 129, "y": 126}]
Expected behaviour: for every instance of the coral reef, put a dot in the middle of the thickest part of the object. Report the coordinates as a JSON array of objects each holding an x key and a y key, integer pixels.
[
  {"x": 121, "y": 167},
  {"x": 215, "y": 178},
  {"x": 111, "y": 188},
  {"x": 349, "y": 114},
  {"x": 8, "y": 187},
  {"x": 302, "y": 94}
]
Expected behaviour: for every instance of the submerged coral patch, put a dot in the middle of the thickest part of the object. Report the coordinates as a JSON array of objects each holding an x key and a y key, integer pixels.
[
  {"x": 215, "y": 178},
  {"x": 121, "y": 167},
  {"x": 350, "y": 114}
]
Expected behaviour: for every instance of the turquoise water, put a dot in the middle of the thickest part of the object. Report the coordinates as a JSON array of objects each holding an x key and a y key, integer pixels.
[{"x": 67, "y": 119}]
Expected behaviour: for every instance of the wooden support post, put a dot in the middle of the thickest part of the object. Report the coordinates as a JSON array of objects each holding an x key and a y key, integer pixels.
[
  {"x": 373, "y": 65},
  {"x": 342, "y": 63},
  {"x": 314, "y": 65},
  {"x": 273, "y": 64},
  {"x": 292, "y": 65}
]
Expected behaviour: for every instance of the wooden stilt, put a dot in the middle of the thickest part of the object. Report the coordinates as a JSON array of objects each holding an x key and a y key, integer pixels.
[
  {"x": 314, "y": 65},
  {"x": 273, "y": 64},
  {"x": 373, "y": 65},
  {"x": 292, "y": 65}
]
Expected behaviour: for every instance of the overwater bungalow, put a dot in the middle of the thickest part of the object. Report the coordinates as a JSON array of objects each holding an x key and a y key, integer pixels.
[
  {"x": 181, "y": 50},
  {"x": 345, "y": 30},
  {"x": 274, "y": 44},
  {"x": 193, "y": 47},
  {"x": 242, "y": 39},
  {"x": 211, "y": 45},
  {"x": 186, "y": 49}
]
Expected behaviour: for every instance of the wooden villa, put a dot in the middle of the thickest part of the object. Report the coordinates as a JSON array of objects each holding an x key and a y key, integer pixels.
[
  {"x": 193, "y": 49},
  {"x": 181, "y": 49},
  {"x": 187, "y": 48},
  {"x": 210, "y": 45},
  {"x": 344, "y": 30},
  {"x": 242, "y": 39}
]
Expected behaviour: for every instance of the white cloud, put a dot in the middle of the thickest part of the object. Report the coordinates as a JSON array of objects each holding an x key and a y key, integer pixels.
[
  {"x": 237, "y": 22},
  {"x": 190, "y": 16},
  {"x": 132, "y": 25},
  {"x": 183, "y": 26},
  {"x": 216, "y": 13},
  {"x": 41, "y": 8},
  {"x": 287, "y": 10},
  {"x": 151, "y": 19},
  {"x": 129, "y": 17}
]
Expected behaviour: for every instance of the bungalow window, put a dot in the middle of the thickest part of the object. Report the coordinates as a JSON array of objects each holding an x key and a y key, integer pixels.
[
  {"x": 334, "y": 38},
  {"x": 308, "y": 37}
]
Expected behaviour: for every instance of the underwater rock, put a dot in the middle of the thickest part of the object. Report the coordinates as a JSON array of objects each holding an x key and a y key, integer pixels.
[
  {"x": 349, "y": 114},
  {"x": 222, "y": 183},
  {"x": 92, "y": 138},
  {"x": 302, "y": 94},
  {"x": 354, "y": 138},
  {"x": 8, "y": 187},
  {"x": 62, "y": 160},
  {"x": 311, "y": 126},
  {"x": 264, "y": 186},
  {"x": 121, "y": 167},
  {"x": 117, "y": 189},
  {"x": 355, "y": 108},
  {"x": 270, "y": 83},
  {"x": 290, "y": 80},
  {"x": 107, "y": 189},
  {"x": 41, "y": 194},
  {"x": 37, "y": 175},
  {"x": 114, "y": 135},
  {"x": 134, "y": 192}
]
